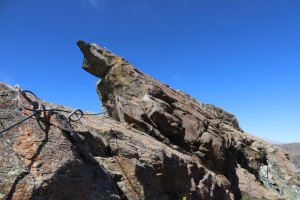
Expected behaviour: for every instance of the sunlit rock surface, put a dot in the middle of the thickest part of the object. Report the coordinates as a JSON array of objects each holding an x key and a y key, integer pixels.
[{"x": 153, "y": 143}]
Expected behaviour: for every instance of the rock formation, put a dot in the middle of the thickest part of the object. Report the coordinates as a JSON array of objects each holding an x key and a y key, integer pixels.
[
  {"x": 152, "y": 143},
  {"x": 208, "y": 134}
]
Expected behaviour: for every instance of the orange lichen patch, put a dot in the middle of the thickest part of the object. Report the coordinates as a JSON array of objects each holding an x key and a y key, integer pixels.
[
  {"x": 54, "y": 121},
  {"x": 44, "y": 184},
  {"x": 224, "y": 181},
  {"x": 117, "y": 61},
  {"x": 22, "y": 191}
]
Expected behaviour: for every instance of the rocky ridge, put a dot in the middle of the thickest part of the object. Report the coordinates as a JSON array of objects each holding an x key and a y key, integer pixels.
[{"x": 154, "y": 142}]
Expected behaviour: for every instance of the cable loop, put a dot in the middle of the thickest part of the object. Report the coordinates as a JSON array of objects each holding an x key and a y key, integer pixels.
[
  {"x": 37, "y": 111},
  {"x": 23, "y": 92},
  {"x": 74, "y": 112}
]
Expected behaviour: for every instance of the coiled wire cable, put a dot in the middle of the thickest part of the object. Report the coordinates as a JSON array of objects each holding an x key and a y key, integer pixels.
[
  {"x": 38, "y": 110},
  {"x": 77, "y": 112}
]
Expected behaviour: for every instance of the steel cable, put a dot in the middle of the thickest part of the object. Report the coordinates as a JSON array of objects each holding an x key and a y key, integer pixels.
[{"x": 39, "y": 109}]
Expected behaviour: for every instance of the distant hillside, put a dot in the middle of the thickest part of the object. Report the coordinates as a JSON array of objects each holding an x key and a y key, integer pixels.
[
  {"x": 276, "y": 143},
  {"x": 294, "y": 150}
]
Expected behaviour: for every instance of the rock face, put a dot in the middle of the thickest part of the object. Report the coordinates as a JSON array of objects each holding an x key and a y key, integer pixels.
[
  {"x": 44, "y": 158},
  {"x": 153, "y": 143},
  {"x": 211, "y": 136}
]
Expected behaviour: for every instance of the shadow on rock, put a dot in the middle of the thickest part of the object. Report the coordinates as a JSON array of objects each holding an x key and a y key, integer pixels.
[{"x": 75, "y": 180}]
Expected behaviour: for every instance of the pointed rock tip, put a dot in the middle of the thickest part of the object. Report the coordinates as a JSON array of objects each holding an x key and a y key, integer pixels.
[
  {"x": 81, "y": 42},
  {"x": 83, "y": 45}
]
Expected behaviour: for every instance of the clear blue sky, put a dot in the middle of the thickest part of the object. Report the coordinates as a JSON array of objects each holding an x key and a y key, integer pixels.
[{"x": 240, "y": 55}]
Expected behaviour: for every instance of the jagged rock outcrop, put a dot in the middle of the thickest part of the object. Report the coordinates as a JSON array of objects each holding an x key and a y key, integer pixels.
[
  {"x": 200, "y": 130},
  {"x": 153, "y": 143}
]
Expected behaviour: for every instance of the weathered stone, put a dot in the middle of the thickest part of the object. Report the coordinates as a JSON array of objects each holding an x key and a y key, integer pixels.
[
  {"x": 45, "y": 159},
  {"x": 222, "y": 115},
  {"x": 96, "y": 59}
]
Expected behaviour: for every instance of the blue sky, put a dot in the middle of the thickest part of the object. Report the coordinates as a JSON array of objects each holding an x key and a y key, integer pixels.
[{"x": 240, "y": 55}]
